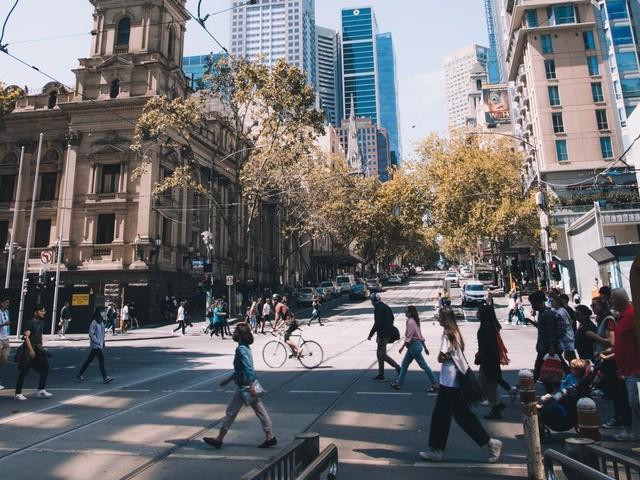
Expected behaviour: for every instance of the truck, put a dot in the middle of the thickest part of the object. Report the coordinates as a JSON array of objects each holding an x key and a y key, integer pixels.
[{"x": 486, "y": 275}]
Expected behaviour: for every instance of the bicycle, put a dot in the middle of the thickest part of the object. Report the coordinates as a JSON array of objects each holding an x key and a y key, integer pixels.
[{"x": 275, "y": 352}]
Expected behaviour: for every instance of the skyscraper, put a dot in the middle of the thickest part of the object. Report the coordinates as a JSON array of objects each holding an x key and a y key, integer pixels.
[
  {"x": 496, "y": 29},
  {"x": 276, "y": 29},
  {"x": 388, "y": 94},
  {"x": 328, "y": 74},
  {"x": 457, "y": 71},
  {"x": 195, "y": 66}
]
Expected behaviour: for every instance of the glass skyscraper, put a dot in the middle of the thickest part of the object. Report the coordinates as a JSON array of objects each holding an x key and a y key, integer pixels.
[
  {"x": 388, "y": 94},
  {"x": 194, "y": 67},
  {"x": 328, "y": 76},
  {"x": 496, "y": 55}
]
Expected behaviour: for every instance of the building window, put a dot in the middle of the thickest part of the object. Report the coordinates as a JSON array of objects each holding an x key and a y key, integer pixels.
[
  {"x": 546, "y": 43},
  {"x": 532, "y": 18},
  {"x": 554, "y": 96},
  {"x": 123, "y": 32},
  {"x": 561, "y": 14},
  {"x": 617, "y": 9},
  {"x": 601, "y": 119},
  {"x": 558, "y": 123},
  {"x": 43, "y": 233},
  {"x": 114, "y": 89},
  {"x": 106, "y": 228},
  {"x": 48, "y": 183},
  {"x": 622, "y": 35},
  {"x": 561, "y": 150},
  {"x": 606, "y": 147},
  {"x": 593, "y": 66},
  {"x": 550, "y": 69},
  {"x": 627, "y": 62},
  {"x": 596, "y": 92},
  {"x": 7, "y": 183},
  {"x": 589, "y": 40},
  {"x": 110, "y": 178}
]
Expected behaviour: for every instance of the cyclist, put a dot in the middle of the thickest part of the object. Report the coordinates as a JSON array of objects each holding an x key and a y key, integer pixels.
[{"x": 292, "y": 325}]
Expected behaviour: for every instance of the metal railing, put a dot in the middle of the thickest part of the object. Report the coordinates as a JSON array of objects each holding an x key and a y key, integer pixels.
[
  {"x": 323, "y": 467},
  {"x": 614, "y": 464},
  {"x": 572, "y": 469}
]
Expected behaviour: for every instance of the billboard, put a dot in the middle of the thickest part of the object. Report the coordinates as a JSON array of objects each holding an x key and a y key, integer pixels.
[{"x": 496, "y": 106}]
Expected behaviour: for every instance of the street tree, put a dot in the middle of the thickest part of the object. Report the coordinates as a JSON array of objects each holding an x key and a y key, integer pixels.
[{"x": 8, "y": 97}]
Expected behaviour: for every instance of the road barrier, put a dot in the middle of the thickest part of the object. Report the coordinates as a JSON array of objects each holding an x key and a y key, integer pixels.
[
  {"x": 325, "y": 466},
  {"x": 572, "y": 469},
  {"x": 530, "y": 425},
  {"x": 614, "y": 464}
]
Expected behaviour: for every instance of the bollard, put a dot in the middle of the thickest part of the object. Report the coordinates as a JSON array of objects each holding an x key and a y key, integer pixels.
[
  {"x": 588, "y": 425},
  {"x": 527, "y": 386}
]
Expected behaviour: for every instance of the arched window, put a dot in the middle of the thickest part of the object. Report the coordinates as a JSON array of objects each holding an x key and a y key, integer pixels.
[
  {"x": 172, "y": 39},
  {"x": 114, "y": 91},
  {"x": 53, "y": 99},
  {"x": 123, "y": 32}
]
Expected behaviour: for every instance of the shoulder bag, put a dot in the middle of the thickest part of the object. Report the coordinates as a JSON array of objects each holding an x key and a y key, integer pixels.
[{"x": 472, "y": 391}]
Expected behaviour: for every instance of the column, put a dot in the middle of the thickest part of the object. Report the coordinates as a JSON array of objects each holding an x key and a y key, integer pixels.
[{"x": 69, "y": 170}]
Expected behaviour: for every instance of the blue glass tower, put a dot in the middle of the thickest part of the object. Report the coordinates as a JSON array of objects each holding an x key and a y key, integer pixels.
[
  {"x": 194, "y": 67},
  {"x": 388, "y": 94},
  {"x": 493, "y": 62}
]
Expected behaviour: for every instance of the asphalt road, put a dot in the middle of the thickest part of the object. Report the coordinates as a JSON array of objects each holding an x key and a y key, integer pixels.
[{"x": 149, "y": 423}]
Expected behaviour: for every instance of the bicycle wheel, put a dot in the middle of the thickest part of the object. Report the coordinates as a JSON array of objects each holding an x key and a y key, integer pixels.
[
  {"x": 274, "y": 354},
  {"x": 312, "y": 354}
]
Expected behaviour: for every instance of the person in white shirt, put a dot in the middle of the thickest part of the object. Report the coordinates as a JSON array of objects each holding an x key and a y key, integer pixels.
[
  {"x": 124, "y": 315},
  {"x": 5, "y": 323},
  {"x": 266, "y": 313},
  {"x": 180, "y": 319}
]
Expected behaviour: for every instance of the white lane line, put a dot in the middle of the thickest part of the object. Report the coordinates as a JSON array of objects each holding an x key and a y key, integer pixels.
[
  {"x": 329, "y": 392},
  {"x": 486, "y": 466},
  {"x": 70, "y": 389},
  {"x": 357, "y": 461},
  {"x": 384, "y": 393},
  {"x": 197, "y": 391},
  {"x": 134, "y": 390}
]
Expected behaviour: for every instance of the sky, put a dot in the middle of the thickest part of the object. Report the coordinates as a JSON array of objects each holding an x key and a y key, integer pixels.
[{"x": 52, "y": 37}]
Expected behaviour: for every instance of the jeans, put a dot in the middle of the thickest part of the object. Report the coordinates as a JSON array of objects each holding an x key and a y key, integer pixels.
[
  {"x": 450, "y": 404},
  {"x": 95, "y": 352},
  {"x": 633, "y": 384},
  {"x": 414, "y": 352},
  {"x": 382, "y": 355},
  {"x": 616, "y": 389},
  {"x": 236, "y": 405},
  {"x": 40, "y": 364}
]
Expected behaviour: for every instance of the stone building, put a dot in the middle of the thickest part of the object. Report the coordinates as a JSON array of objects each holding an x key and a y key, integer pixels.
[{"x": 119, "y": 240}]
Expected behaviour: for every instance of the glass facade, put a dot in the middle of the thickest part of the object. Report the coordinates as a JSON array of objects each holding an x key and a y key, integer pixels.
[
  {"x": 388, "y": 93},
  {"x": 194, "y": 68}
]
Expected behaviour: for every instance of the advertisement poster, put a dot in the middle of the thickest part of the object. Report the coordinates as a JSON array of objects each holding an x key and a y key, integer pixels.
[{"x": 496, "y": 106}]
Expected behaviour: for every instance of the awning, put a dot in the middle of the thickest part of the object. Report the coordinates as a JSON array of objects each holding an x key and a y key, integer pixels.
[{"x": 614, "y": 252}]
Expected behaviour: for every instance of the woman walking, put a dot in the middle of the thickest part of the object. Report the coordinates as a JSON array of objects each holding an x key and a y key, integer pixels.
[
  {"x": 96, "y": 339},
  {"x": 414, "y": 343},
  {"x": 181, "y": 319},
  {"x": 450, "y": 403},
  {"x": 488, "y": 357},
  {"x": 245, "y": 378}
]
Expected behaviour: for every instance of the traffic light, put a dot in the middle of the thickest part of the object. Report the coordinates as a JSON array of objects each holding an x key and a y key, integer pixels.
[{"x": 554, "y": 269}]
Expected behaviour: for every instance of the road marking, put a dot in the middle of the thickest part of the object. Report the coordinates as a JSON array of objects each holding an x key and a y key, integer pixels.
[
  {"x": 330, "y": 392},
  {"x": 70, "y": 389},
  {"x": 197, "y": 391},
  {"x": 134, "y": 390},
  {"x": 357, "y": 461},
  {"x": 384, "y": 393},
  {"x": 488, "y": 466}
]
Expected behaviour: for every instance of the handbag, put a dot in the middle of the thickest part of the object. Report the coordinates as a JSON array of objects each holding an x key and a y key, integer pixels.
[
  {"x": 551, "y": 370},
  {"x": 247, "y": 397},
  {"x": 395, "y": 334},
  {"x": 472, "y": 391},
  {"x": 502, "y": 350}
]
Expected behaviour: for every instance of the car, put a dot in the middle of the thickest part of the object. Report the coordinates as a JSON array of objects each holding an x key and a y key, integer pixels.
[
  {"x": 330, "y": 288},
  {"x": 474, "y": 292},
  {"x": 358, "y": 291},
  {"x": 465, "y": 272},
  {"x": 305, "y": 296},
  {"x": 452, "y": 278},
  {"x": 373, "y": 284},
  {"x": 322, "y": 293},
  {"x": 395, "y": 279},
  {"x": 485, "y": 276},
  {"x": 344, "y": 282}
]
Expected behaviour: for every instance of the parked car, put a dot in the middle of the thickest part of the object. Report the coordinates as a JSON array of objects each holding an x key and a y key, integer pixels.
[
  {"x": 305, "y": 296},
  {"x": 358, "y": 291},
  {"x": 323, "y": 296},
  {"x": 330, "y": 288},
  {"x": 395, "y": 279},
  {"x": 344, "y": 282},
  {"x": 474, "y": 292},
  {"x": 373, "y": 284},
  {"x": 452, "y": 278}
]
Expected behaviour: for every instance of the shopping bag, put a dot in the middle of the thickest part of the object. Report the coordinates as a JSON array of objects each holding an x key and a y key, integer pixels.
[
  {"x": 248, "y": 397},
  {"x": 551, "y": 370},
  {"x": 502, "y": 350}
]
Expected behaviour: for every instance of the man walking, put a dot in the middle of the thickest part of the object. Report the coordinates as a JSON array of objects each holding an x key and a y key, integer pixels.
[
  {"x": 383, "y": 328},
  {"x": 33, "y": 355},
  {"x": 65, "y": 319},
  {"x": 567, "y": 341},
  {"x": 5, "y": 323},
  {"x": 96, "y": 339},
  {"x": 550, "y": 330}
]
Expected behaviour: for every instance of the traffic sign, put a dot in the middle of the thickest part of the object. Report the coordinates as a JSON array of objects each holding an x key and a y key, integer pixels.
[
  {"x": 229, "y": 280},
  {"x": 46, "y": 256}
]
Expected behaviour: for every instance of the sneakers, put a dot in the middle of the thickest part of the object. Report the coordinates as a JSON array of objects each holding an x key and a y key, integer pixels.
[
  {"x": 107, "y": 380},
  {"x": 79, "y": 378},
  {"x": 44, "y": 394},
  {"x": 434, "y": 455},
  {"x": 1, "y": 387},
  {"x": 20, "y": 397},
  {"x": 625, "y": 436},
  {"x": 272, "y": 442},
  {"x": 495, "y": 449},
  {"x": 215, "y": 443},
  {"x": 395, "y": 385},
  {"x": 378, "y": 378},
  {"x": 613, "y": 423}
]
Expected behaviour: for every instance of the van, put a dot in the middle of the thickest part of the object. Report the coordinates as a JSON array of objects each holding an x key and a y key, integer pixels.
[
  {"x": 485, "y": 275},
  {"x": 345, "y": 281}
]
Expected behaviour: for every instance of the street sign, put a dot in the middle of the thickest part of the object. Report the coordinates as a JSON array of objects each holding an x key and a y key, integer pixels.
[
  {"x": 80, "y": 299},
  {"x": 46, "y": 257},
  {"x": 229, "y": 280},
  {"x": 197, "y": 263}
]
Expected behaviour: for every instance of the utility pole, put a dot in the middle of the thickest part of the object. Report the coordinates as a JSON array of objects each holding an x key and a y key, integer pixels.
[
  {"x": 25, "y": 270},
  {"x": 16, "y": 208},
  {"x": 60, "y": 230}
]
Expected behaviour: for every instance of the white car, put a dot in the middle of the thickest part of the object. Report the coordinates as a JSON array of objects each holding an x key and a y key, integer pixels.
[
  {"x": 465, "y": 272},
  {"x": 452, "y": 278},
  {"x": 473, "y": 293},
  {"x": 395, "y": 279}
]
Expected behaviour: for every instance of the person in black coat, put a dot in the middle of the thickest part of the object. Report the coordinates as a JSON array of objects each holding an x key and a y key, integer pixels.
[
  {"x": 384, "y": 330},
  {"x": 488, "y": 357}
]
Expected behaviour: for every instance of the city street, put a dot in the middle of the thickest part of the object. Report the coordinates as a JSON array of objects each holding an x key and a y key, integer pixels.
[{"x": 149, "y": 423}]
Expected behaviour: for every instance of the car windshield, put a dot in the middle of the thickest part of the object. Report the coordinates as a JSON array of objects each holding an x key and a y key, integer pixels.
[
  {"x": 305, "y": 291},
  {"x": 452, "y": 275},
  {"x": 342, "y": 279},
  {"x": 475, "y": 288},
  {"x": 326, "y": 284},
  {"x": 485, "y": 276}
]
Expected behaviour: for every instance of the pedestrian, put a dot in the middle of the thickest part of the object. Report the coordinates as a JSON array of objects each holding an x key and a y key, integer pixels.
[
  {"x": 450, "y": 403},
  {"x": 550, "y": 331},
  {"x": 564, "y": 302},
  {"x": 414, "y": 342},
  {"x": 187, "y": 313},
  {"x": 253, "y": 315},
  {"x": 488, "y": 357},
  {"x": 65, "y": 319},
  {"x": 133, "y": 315},
  {"x": 239, "y": 300},
  {"x": 259, "y": 316},
  {"x": 513, "y": 299},
  {"x": 112, "y": 314},
  {"x": 315, "y": 310},
  {"x": 245, "y": 378},
  {"x": 225, "y": 318},
  {"x": 584, "y": 343},
  {"x": 567, "y": 341},
  {"x": 384, "y": 330},
  {"x": 5, "y": 325},
  {"x": 124, "y": 318},
  {"x": 626, "y": 350},
  {"x": 33, "y": 355},
  {"x": 267, "y": 313},
  {"x": 218, "y": 320},
  {"x": 209, "y": 317},
  {"x": 181, "y": 319},
  {"x": 576, "y": 297},
  {"x": 96, "y": 342}
]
